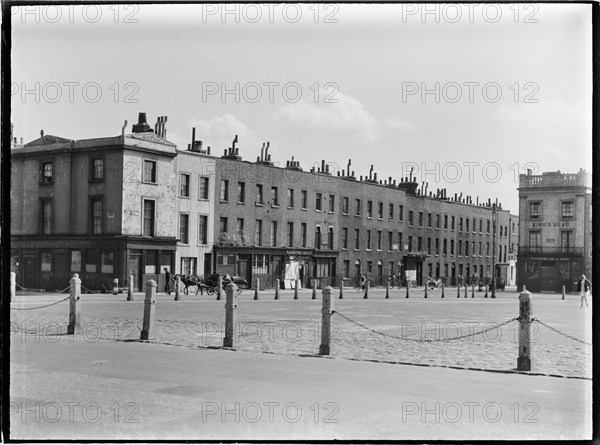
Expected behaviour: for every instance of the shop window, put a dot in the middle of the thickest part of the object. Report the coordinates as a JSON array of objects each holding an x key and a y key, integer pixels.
[
  {"x": 260, "y": 264},
  {"x": 91, "y": 260},
  {"x": 46, "y": 263},
  {"x": 107, "y": 261},
  {"x": 76, "y": 261}
]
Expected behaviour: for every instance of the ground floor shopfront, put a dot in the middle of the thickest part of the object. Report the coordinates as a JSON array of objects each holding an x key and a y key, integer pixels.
[
  {"x": 49, "y": 262},
  {"x": 270, "y": 264},
  {"x": 550, "y": 274}
]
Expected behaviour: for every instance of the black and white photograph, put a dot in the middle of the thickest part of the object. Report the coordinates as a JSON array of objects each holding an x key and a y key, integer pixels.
[{"x": 259, "y": 222}]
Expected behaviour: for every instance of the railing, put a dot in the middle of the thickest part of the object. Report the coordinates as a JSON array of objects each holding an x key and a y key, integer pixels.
[
  {"x": 551, "y": 250},
  {"x": 554, "y": 179}
]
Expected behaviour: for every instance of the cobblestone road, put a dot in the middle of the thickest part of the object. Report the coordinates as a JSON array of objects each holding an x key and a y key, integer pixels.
[{"x": 292, "y": 327}]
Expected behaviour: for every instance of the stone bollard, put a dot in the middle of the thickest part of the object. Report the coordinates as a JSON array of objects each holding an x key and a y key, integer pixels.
[
  {"x": 466, "y": 290},
  {"x": 387, "y": 290},
  {"x": 74, "y": 305},
  {"x": 563, "y": 292},
  {"x": 366, "y": 290},
  {"x": 277, "y": 289},
  {"x": 525, "y": 360},
  {"x": 314, "y": 290},
  {"x": 177, "y": 286},
  {"x": 479, "y": 286},
  {"x": 257, "y": 289},
  {"x": 458, "y": 290},
  {"x": 324, "y": 348},
  {"x": 443, "y": 287},
  {"x": 230, "y": 311},
  {"x": 130, "y": 288},
  {"x": 149, "y": 310},
  {"x": 115, "y": 286},
  {"x": 342, "y": 290},
  {"x": 407, "y": 289},
  {"x": 219, "y": 287},
  {"x": 13, "y": 285},
  {"x": 425, "y": 290},
  {"x": 473, "y": 290},
  {"x": 296, "y": 289},
  {"x": 486, "y": 293}
]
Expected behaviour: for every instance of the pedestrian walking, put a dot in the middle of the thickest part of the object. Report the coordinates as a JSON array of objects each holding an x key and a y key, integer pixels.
[
  {"x": 363, "y": 281},
  {"x": 584, "y": 287},
  {"x": 167, "y": 281}
]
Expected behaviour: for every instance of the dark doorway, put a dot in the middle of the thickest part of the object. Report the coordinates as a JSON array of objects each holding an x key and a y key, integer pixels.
[
  {"x": 61, "y": 277},
  {"x": 29, "y": 272},
  {"x": 134, "y": 266}
]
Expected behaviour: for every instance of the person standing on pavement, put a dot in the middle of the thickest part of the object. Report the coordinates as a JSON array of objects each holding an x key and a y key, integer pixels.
[
  {"x": 167, "y": 281},
  {"x": 583, "y": 287}
]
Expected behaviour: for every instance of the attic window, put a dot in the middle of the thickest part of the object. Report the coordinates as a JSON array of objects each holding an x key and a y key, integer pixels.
[{"x": 47, "y": 173}]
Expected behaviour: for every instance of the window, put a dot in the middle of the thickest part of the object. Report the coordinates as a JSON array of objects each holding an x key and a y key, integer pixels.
[
  {"x": 319, "y": 202},
  {"x": 567, "y": 209},
  {"x": 97, "y": 216},
  {"x": 400, "y": 213},
  {"x": 481, "y": 226},
  {"x": 487, "y": 249},
  {"x": 259, "y": 194},
  {"x": 358, "y": 207},
  {"x": 47, "y": 173},
  {"x": 149, "y": 171},
  {"x": 410, "y": 243},
  {"x": 148, "y": 229},
  {"x": 345, "y": 205},
  {"x": 304, "y": 198},
  {"x": 480, "y": 248},
  {"x": 390, "y": 240},
  {"x": 240, "y": 226},
  {"x": 184, "y": 221},
  {"x": 97, "y": 169},
  {"x": 331, "y": 203},
  {"x": 345, "y": 238},
  {"x": 224, "y": 190},
  {"x": 357, "y": 239},
  {"x": 260, "y": 264},
  {"x": 488, "y": 227},
  {"x": 535, "y": 210},
  {"x": 410, "y": 217},
  {"x": 318, "y": 237},
  {"x": 391, "y": 212},
  {"x": 369, "y": 209},
  {"x": 437, "y": 221},
  {"x": 91, "y": 260},
  {"x": 258, "y": 233},
  {"x": 188, "y": 266},
  {"x": 452, "y": 220},
  {"x": 467, "y": 224},
  {"x": 400, "y": 246},
  {"x": 330, "y": 238},
  {"x": 379, "y": 240},
  {"x": 346, "y": 269},
  {"x": 437, "y": 246},
  {"x": 370, "y": 266},
  {"x": 429, "y": 246},
  {"x": 241, "y": 192},
  {"x": 203, "y": 187},
  {"x": 429, "y": 220},
  {"x": 223, "y": 224},
  {"x": 273, "y": 233},
  {"x": 460, "y": 225},
  {"x": 380, "y": 210},
  {"x": 459, "y": 252},
  {"x": 474, "y": 225},
  {"x": 368, "y": 240},
  {"x": 566, "y": 238},
  {"x": 420, "y": 219},
  {"x": 466, "y": 248},
  {"x": 107, "y": 261},
  {"x": 76, "y": 261},
  {"x": 420, "y": 244},
  {"x": 46, "y": 263},
  {"x": 303, "y": 234},
  {"x": 445, "y": 247},
  {"x": 290, "y": 197},
  {"x": 445, "y": 222},
  {"x": 46, "y": 217},
  {"x": 274, "y": 196},
  {"x": 290, "y": 234},
  {"x": 202, "y": 229},
  {"x": 184, "y": 185},
  {"x": 451, "y": 247}
]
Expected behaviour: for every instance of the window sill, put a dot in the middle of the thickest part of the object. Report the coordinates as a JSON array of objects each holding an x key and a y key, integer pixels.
[
  {"x": 331, "y": 213},
  {"x": 183, "y": 197},
  {"x": 203, "y": 199},
  {"x": 274, "y": 206},
  {"x": 149, "y": 183},
  {"x": 224, "y": 201},
  {"x": 96, "y": 180},
  {"x": 345, "y": 214},
  {"x": 290, "y": 207},
  {"x": 241, "y": 203},
  {"x": 257, "y": 204}
]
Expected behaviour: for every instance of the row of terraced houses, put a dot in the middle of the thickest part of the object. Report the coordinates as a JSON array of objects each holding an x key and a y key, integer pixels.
[{"x": 135, "y": 204}]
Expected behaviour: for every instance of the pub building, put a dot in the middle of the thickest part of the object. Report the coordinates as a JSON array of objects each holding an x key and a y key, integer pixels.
[{"x": 555, "y": 222}]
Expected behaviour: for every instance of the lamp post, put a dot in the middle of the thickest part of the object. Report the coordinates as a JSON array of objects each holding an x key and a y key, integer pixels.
[{"x": 494, "y": 220}]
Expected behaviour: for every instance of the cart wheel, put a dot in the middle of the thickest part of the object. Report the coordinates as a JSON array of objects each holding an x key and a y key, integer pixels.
[
  {"x": 210, "y": 290},
  {"x": 185, "y": 290}
]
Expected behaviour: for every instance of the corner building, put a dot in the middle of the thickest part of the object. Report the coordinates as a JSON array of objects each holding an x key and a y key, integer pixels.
[{"x": 555, "y": 211}]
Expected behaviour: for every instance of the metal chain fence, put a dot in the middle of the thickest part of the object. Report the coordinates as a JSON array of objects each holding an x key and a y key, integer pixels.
[{"x": 535, "y": 320}]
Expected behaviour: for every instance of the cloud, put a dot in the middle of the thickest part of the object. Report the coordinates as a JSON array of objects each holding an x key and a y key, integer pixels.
[
  {"x": 347, "y": 114},
  {"x": 556, "y": 112}
]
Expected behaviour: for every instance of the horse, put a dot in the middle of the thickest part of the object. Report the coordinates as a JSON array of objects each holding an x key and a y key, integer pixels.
[{"x": 189, "y": 280}]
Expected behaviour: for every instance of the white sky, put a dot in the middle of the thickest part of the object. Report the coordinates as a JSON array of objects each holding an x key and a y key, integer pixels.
[{"x": 363, "y": 56}]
